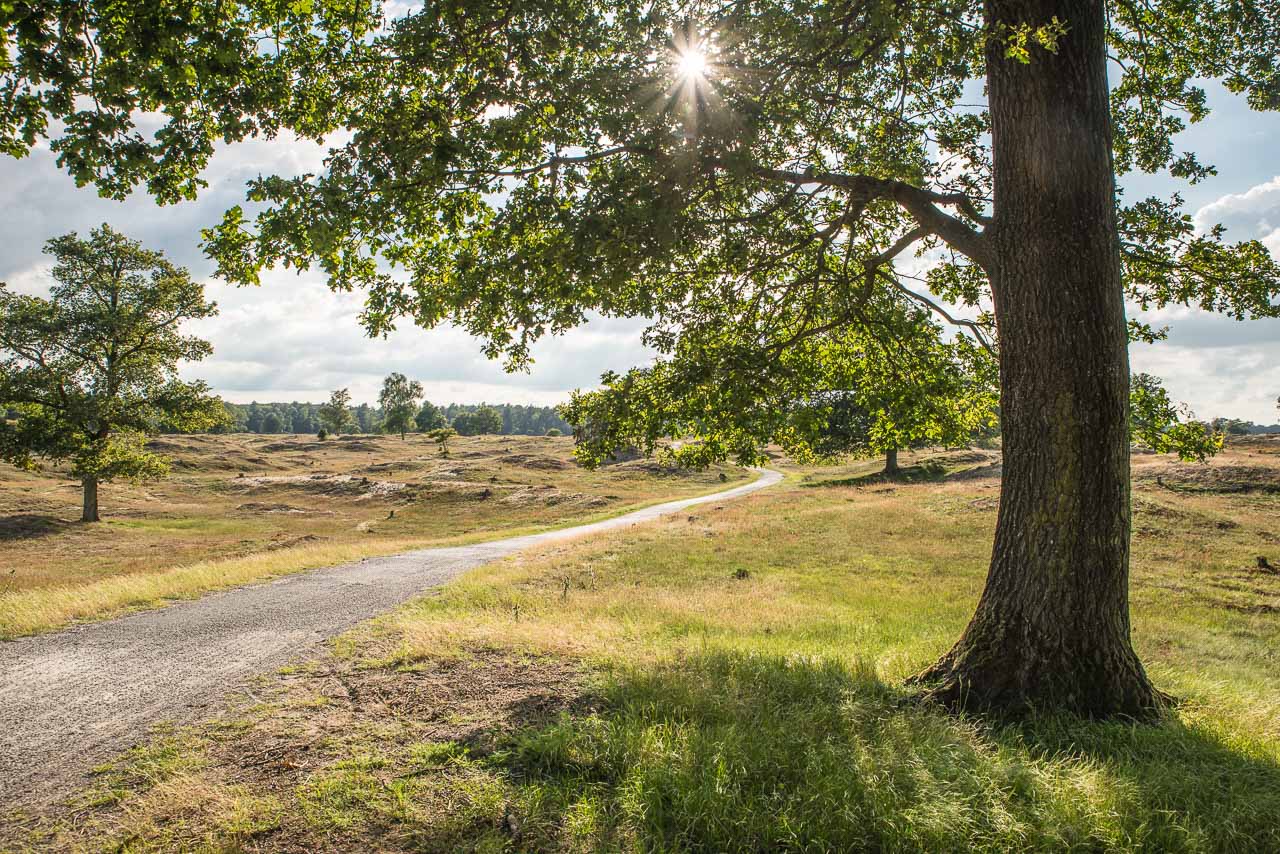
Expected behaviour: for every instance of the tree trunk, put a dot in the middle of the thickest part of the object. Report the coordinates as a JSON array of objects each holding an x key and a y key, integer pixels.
[
  {"x": 89, "y": 511},
  {"x": 891, "y": 462},
  {"x": 1051, "y": 630}
]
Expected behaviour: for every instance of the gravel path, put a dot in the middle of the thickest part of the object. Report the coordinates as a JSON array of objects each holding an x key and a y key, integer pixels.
[{"x": 76, "y": 698}]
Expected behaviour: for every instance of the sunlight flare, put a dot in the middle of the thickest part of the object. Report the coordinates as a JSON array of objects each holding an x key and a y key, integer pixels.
[{"x": 692, "y": 64}]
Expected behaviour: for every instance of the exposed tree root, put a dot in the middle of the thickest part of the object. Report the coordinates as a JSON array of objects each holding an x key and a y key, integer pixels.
[{"x": 1014, "y": 695}]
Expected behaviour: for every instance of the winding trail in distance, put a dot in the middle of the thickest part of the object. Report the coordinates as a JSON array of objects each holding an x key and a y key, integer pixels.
[{"x": 73, "y": 699}]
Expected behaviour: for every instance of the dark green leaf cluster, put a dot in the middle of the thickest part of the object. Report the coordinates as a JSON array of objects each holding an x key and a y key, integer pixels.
[
  {"x": 841, "y": 392},
  {"x": 1164, "y": 50},
  {"x": 483, "y": 420},
  {"x": 1168, "y": 262},
  {"x": 429, "y": 417}
]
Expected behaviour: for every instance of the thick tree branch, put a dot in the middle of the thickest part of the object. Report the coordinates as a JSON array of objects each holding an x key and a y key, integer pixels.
[
  {"x": 900, "y": 246},
  {"x": 921, "y": 204}
]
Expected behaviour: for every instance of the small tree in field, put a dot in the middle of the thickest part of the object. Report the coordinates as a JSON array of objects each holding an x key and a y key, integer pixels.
[
  {"x": 336, "y": 414},
  {"x": 442, "y": 435},
  {"x": 399, "y": 401},
  {"x": 90, "y": 370},
  {"x": 880, "y": 411}
]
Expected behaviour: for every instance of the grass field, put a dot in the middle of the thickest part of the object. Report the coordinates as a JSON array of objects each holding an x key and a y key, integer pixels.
[
  {"x": 240, "y": 508},
  {"x": 732, "y": 680}
]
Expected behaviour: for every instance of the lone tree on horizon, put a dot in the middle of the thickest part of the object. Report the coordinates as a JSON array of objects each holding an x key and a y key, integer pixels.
[
  {"x": 399, "y": 401},
  {"x": 745, "y": 175},
  {"x": 94, "y": 367},
  {"x": 335, "y": 414}
]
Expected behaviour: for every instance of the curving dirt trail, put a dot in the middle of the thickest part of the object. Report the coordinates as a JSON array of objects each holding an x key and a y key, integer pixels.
[{"x": 76, "y": 698}]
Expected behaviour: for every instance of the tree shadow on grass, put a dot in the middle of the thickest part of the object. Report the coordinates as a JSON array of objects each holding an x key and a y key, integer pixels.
[
  {"x": 926, "y": 472},
  {"x": 756, "y": 753},
  {"x": 929, "y": 471},
  {"x": 29, "y": 526}
]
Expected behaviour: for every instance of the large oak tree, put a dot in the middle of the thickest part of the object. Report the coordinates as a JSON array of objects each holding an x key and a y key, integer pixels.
[
  {"x": 93, "y": 368},
  {"x": 745, "y": 173}
]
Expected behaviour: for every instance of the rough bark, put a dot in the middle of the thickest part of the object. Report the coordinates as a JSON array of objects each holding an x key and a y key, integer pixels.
[
  {"x": 891, "y": 462},
  {"x": 89, "y": 510},
  {"x": 1051, "y": 630}
]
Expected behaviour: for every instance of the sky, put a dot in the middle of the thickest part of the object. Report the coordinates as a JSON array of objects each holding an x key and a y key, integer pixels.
[{"x": 293, "y": 339}]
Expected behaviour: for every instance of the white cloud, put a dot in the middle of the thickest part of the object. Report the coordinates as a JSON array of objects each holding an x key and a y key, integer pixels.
[
  {"x": 1272, "y": 242},
  {"x": 33, "y": 281},
  {"x": 1253, "y": 214},
  {"x": 293, "y": 337},
  {"x": 1241, "y": 382}
]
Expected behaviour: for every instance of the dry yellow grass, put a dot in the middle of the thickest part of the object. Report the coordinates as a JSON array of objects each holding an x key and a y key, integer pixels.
[
  {"x": 244, "y": 508},
  {"x": 43, "y": 608},
  {"x": 828, "y": 550}
]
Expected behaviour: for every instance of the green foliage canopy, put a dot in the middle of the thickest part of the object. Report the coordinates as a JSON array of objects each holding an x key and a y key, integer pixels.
[
  {"x": 952, "y": 399},
  {"x": 92, "y": 368},
  {"x": 429, "y": 417},
  {"x": 916, "y": 390},
  {"x": 481, "y": 421},
  {"x": 511, "y": 167},
  {"x": 1156, "y": 422}
]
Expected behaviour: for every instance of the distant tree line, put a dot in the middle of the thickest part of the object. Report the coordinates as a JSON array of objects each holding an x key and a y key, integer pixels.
[
  {"x": 1236, "y": 427},
  {"x": 468, "y": 419}
]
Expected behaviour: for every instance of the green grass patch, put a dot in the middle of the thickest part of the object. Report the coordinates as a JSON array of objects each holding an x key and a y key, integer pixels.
[{"x": 762, "y": 753}]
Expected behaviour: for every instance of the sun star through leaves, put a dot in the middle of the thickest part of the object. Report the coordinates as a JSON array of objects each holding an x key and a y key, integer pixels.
[{"x": 692, "y": 64}]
